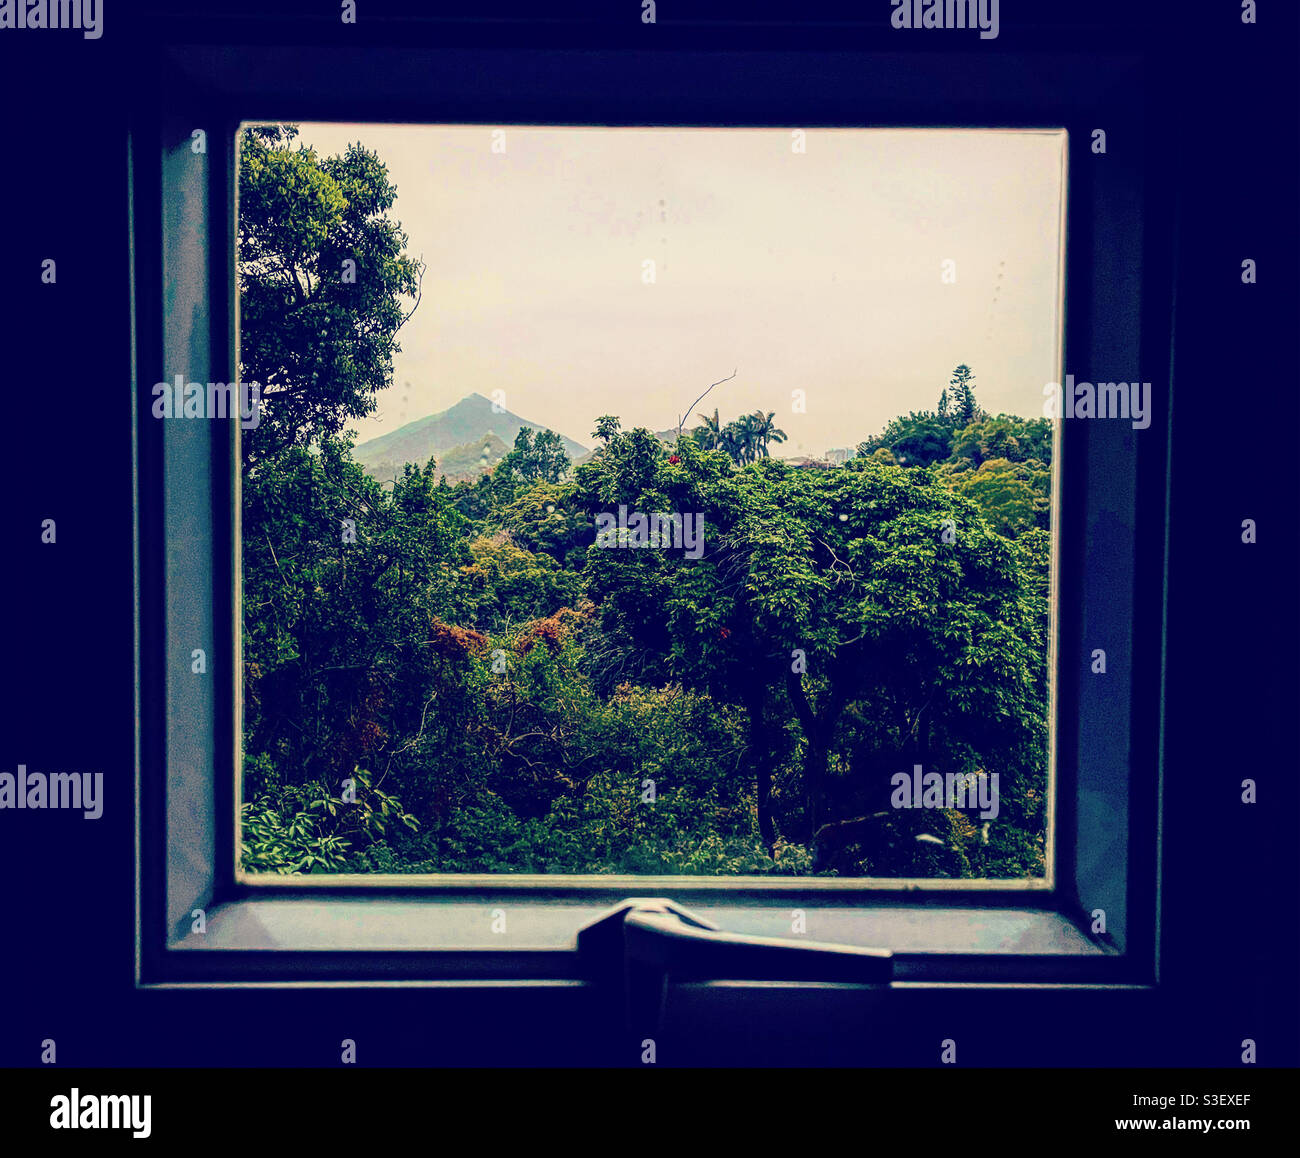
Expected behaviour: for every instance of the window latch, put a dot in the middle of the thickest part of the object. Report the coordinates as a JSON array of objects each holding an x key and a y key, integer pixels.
[{"x": 643, "y": 945}]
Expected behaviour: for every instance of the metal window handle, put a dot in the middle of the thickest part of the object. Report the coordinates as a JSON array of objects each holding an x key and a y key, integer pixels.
[{"x": 641, "y": 945}]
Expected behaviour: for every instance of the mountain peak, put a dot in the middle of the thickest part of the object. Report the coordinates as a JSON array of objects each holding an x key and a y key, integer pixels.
[{"x": 473, "y": 417}]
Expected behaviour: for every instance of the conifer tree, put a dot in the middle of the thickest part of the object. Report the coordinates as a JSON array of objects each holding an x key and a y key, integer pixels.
[{"x": 965, "y": 410}]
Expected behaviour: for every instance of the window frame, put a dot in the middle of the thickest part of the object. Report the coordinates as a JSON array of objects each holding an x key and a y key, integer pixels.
[{"x": 184, "y": 311}]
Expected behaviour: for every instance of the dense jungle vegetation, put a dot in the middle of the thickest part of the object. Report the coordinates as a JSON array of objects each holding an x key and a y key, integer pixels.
[{"x": 453, "y": 677}]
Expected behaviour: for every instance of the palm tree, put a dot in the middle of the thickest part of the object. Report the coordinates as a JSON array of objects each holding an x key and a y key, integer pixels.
[
  {"x": 732, "y": 439},
  {"x": 765, "y": 431},
  {"x": 727, "y": 442},
  {"x": 749, "y": 432},
  {"x": 709, "y": 435}
]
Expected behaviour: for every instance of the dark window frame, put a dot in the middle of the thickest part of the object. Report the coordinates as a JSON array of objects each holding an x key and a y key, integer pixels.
[{"x": 184, "y": 306}]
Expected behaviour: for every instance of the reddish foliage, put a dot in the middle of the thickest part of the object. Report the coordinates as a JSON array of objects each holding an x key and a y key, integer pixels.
[
  {"x": 553, "y": 631},
  {"x": 455, "y": 642}
]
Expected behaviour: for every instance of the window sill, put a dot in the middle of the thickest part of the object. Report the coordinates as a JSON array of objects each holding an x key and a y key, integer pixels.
[{"x": 368, "y": 939}]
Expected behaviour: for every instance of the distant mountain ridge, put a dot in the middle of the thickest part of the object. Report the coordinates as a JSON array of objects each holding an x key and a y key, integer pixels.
[{"x": 470, "y": 420}]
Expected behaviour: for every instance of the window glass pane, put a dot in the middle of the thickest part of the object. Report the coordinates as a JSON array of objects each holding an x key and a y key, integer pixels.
[{"x": 652, "y": 502}]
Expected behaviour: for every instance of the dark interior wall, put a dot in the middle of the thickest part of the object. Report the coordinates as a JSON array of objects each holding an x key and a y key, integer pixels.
[{"x": 1230, "y": 908}]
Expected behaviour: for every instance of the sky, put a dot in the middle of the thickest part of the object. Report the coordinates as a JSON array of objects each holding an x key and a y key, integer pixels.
[{"x": 820, "y": 271}]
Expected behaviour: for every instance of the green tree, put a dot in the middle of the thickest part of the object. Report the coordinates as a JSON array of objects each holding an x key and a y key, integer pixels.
[
  {"x": 537, "y": 457},
  {"x": 317, "y": 334},
  {"x": 709, "y": 434},
  {"x": 546, "y": 519},
  {"x": 742, "y": 439},
  {"x": 343, "y": 584},
  {"x": 766, "y": 431},
  {"x": 509, "y": 584},
  {"x": 819, "y": 591},
  {"x": 1014, "y": 496},
  {"x": 965, "y": 410},
  {"x": 478, "y": 500},
  {"x": 1006, "y": 436},
  {"x": 918, "y": 439},
  {"x": 731, "y": 440}
]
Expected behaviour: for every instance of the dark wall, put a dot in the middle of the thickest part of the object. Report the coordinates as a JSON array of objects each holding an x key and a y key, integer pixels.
[{"x": 1230, "y": 910}]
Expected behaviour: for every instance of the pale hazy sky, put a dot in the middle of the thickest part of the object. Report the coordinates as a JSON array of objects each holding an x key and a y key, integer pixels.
[{"x": 818, "y": 270}]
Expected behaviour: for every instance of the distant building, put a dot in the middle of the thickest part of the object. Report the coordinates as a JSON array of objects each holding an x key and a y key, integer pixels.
[{"x": 839, "y": 455}]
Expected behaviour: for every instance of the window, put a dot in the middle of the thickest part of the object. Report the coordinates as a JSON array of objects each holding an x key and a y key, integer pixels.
[
  {"x": 1109, "y": 489},
  {"x": 474, "y": 644}
]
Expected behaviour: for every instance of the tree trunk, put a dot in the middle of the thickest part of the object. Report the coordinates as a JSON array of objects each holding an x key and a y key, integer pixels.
[
  {"x": 815, "y": 780},
  {"x": 755, "y": 700},
  {"x": 819, "y": 731}
]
